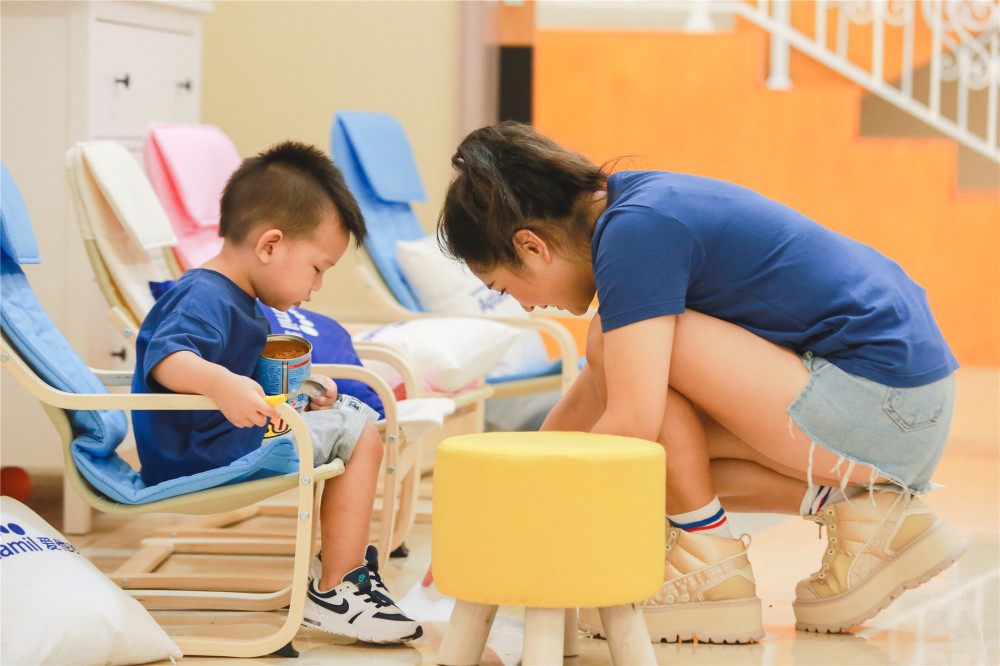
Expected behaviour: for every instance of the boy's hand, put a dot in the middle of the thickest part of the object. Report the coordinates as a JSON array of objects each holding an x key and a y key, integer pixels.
[
  {"x": 241, "y": 401},
  {"x": 326, "y": 401}
]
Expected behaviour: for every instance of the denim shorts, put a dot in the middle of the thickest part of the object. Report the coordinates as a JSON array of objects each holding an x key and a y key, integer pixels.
[{"x": 900, "y": 432}]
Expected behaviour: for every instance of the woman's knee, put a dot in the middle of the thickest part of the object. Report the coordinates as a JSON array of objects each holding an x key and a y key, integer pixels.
[{"x": 681, "y": 425}]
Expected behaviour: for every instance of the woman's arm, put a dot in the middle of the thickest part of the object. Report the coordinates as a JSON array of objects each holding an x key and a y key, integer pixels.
[
  {"x": 636, "y": 373},
  {"x": 579, "y": 409}
]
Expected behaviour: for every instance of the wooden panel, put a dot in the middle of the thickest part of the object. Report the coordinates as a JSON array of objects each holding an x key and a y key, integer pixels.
[
  {"x": 697, "y": 104},
  {"x": 517, "y": 23}
]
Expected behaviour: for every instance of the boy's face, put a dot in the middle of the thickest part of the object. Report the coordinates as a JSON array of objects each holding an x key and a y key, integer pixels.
[{"x": 296, "y": 266}]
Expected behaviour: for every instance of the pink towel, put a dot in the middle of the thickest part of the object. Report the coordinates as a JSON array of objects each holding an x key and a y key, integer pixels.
[{"x": 188, "y": 166}]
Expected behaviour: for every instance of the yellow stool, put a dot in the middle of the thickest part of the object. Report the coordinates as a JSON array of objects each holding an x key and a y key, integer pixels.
[{"x": 551, "y": 521}]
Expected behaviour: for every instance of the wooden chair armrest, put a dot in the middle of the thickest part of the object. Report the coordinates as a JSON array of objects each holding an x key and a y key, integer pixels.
[
  {"x": 114, "y": 377},
  {"x": 398, "y": 360},
  {"x": 568, "y": 352},
  {"x": 393, "y": 311}
]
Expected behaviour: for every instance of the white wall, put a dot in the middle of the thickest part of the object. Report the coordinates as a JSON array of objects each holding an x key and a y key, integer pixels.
[{"x": 279, "y": 70}]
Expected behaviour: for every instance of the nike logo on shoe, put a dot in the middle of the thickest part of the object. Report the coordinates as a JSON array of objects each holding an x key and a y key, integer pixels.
[{"x": 339, "y": 608}]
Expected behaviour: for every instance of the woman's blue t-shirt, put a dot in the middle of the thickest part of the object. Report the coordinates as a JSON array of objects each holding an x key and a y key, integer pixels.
[
  {"x": 670, "y": 241},
  {"x": 205, "y": 313}
]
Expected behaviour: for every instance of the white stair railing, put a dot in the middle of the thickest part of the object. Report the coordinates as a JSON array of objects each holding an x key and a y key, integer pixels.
[{"x": 964, "y": 50}]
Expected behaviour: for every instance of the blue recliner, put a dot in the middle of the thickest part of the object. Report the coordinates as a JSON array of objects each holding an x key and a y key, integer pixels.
[{"x": 375, "y": 156}]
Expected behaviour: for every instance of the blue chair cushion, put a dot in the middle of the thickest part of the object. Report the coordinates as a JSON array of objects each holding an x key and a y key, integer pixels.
[
  {"x": 375, "y": 156},
  {"x": 16, "y": 238}
]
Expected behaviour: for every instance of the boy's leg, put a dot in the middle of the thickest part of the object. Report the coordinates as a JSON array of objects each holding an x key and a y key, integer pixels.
[
  {"x": 346, "y": 509},
  {"x": 346, "y": 595}
]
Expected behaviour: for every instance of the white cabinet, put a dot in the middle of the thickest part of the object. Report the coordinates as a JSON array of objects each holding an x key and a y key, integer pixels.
[
  {"x": 74, "y": 71},
  {"x": 144, "y": 66}
]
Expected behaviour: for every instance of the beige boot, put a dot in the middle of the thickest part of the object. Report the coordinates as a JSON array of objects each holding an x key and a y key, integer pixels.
[
  {"x": 708, "y": 593},
  {"x": 878, "y": 546}
]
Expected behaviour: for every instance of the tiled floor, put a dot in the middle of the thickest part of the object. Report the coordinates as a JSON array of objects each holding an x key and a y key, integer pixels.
[{"x": 953, "y": 619}]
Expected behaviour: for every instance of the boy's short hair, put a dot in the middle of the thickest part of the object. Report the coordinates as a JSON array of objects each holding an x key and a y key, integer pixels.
[{"x": 290, "y": 185}]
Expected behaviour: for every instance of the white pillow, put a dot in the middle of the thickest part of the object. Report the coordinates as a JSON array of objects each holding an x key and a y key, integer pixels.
[
  {"x": 450, "y": 352},
  {"x": 446, "y": 286},
  {"x": 58, "y": 608}
]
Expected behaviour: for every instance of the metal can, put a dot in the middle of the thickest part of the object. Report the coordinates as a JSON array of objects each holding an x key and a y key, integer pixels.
[{"x": 284, "y": 363}]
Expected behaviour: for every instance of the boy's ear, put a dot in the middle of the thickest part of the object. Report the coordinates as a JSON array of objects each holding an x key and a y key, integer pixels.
[
  {"x": 529, "y": 244},
  {"x": 266, "y": 244}
]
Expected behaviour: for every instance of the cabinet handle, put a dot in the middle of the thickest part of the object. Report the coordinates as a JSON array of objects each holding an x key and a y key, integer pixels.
[
  {"x": 124, "y": 80},
  {"x": 186, "y": 84},
  {"x": 120, "y": 353}
]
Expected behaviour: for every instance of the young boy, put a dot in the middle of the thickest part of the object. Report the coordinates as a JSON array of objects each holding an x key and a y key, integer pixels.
[{"x": 287, "y": 217}]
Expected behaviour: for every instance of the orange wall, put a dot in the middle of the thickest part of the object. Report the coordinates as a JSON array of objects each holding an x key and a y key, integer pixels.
[{"x": 697, "y": 104}]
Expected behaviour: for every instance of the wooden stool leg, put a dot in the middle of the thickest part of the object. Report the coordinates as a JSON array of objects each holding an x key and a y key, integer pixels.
[
  {"x": 543, "y": 636},
  {"x": 628, "y": 638},
  {"x": 570, "y": 647},
  {"x": 465, "y": 638}
]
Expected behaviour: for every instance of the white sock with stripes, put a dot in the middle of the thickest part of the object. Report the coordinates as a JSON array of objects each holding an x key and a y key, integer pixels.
[
  {"x": 709, "y": 519},
  {"x": 817, "y": 497}
]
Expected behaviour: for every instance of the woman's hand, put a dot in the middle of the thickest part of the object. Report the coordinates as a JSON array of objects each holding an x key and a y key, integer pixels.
[{"x": 326, "y": 401}]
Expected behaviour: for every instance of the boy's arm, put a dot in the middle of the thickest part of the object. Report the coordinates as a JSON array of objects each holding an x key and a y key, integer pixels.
[{"x": 240, "y": 399}]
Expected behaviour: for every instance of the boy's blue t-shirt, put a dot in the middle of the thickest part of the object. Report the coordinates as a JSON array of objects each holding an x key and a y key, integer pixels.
[
  {"x": 670, "y": 241},
  {"x": 205, "y": 313}
]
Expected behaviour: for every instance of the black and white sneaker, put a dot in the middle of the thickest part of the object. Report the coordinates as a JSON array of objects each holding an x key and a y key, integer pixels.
[
  {"x": 371, "y": 561},
  {"x": 357, "y": 608}
]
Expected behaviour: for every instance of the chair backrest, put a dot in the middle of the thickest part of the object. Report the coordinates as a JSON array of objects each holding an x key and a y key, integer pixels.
[
  {"x": 118, "y": 212},
  {"x": 188, "y": 166},
  {"x": 35, "y": 338},
  {"x": 95, "y": 434},
  {"x": 373, "y": 152}
]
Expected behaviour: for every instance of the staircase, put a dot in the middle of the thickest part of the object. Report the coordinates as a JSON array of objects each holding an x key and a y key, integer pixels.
[{"x": 698, "y": 103}]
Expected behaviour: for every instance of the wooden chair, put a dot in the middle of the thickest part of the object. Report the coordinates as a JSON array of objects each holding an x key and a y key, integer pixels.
[
  {"x": 129, "y": 242},
  {"x": 374, "y": 153},
  {"x": 91, "y": 425}
]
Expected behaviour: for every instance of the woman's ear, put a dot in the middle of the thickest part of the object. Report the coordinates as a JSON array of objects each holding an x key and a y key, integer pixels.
[
  {"x": 267, "y": 242},
  {"x": 529, "y": 244}
]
